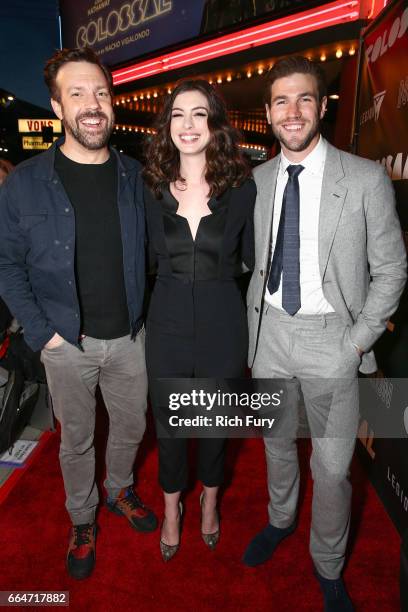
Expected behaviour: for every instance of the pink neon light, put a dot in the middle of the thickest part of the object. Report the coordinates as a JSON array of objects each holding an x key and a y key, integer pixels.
[
  {"x": 246, "y": 34},
  {"x": 249, "y": 37},
  {"x": 257, "y": 42},
  {"x": 376, "y": 7}
]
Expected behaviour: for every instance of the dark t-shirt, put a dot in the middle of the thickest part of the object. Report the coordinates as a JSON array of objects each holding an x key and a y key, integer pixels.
[{"x": 92, "y": 191}]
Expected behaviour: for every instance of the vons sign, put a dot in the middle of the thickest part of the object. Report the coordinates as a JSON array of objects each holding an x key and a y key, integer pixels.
[{"x": 37, "y": 125}]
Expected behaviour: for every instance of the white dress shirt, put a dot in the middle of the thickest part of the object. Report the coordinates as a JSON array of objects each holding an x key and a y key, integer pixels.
[{"x": 310, "y": 188}]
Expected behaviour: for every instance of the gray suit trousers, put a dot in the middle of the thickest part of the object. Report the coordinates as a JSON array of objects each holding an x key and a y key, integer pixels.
[{"x": 315, "y": 355}]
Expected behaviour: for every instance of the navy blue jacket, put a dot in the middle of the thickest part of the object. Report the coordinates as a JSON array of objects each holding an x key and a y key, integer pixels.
[{"x": 37, "y": 248}]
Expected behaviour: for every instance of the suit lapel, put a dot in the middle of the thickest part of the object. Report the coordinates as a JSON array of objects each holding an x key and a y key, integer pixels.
[
  {"x": 331, "y": 204},
  {"x": 266, "y": 203}
]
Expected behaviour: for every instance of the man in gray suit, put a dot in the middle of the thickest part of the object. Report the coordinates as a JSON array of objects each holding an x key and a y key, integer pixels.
[{"x": 330, "y": 269}]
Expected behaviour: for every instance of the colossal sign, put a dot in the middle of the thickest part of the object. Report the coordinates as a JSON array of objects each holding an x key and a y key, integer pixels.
[{"x": 119, "y": 30}]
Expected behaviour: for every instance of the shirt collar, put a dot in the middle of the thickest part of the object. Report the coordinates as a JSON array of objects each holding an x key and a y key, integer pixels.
[{"x": 313, "y": 163}]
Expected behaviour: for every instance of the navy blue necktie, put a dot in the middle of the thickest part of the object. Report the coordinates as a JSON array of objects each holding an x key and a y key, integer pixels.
[{"x": 286, "y": 254}]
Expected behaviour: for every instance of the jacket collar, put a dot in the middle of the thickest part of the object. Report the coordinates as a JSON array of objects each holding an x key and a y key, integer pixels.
[
  {"x": 171, "y": 204},
  {"x": 334, "y": 191}
]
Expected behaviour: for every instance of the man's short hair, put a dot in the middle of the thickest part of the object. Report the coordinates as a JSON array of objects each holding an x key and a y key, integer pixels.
[
  {"x": 71, "y": 55},
  {"x": 295, "y": 64}
]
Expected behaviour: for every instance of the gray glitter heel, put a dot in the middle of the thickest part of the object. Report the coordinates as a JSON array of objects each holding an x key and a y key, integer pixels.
[{"x": 169, "y": 550}]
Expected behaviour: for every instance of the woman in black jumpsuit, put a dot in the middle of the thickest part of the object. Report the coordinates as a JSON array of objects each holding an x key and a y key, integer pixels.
[{"x": 196, "y": 324}]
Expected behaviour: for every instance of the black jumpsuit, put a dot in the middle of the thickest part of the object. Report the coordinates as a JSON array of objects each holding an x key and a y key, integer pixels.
[{"x": 196, "y": 323}]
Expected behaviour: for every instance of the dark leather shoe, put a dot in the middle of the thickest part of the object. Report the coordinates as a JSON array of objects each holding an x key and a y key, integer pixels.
[
  {"x": 81, "y": 551},
  {"x": 336, "y": 598},
  {"x": 130, "y": 505},
  {"x": 263, "y": 545}
]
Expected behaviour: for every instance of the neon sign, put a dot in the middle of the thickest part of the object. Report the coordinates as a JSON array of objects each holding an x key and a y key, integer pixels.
[{"x": 126, "y": 17}]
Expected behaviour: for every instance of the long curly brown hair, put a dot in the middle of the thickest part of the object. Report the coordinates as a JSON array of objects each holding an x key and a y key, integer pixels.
[{"x": 225, "y": 164}]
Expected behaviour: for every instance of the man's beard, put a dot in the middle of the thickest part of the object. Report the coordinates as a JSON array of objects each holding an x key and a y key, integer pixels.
[
  {"x": 90, "y": 141},
  {"x": 292, "y": 144}
]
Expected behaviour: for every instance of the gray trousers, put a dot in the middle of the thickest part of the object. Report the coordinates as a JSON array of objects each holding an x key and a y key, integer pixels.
[
  {"x": 315, "y": 355},
  {"x": 118, "y": 366}
]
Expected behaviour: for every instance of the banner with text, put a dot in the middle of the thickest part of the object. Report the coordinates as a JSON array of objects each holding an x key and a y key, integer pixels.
[
  {"x": 118, "y": 30},
  {"x": 382, "y": 119},
  {"x": 382, "y": 127}
]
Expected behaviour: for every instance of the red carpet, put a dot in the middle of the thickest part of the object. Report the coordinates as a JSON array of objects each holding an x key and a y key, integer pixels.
[{"x": 130, "y": 574}]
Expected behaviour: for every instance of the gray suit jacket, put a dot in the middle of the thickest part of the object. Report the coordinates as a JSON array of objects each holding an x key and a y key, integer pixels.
[{"x": 362, "y": 257}]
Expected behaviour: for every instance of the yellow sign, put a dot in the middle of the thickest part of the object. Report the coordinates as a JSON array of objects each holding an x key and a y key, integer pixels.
[
  {"x": 36, "y": 125},
  {"x": 36, "y": 142}
]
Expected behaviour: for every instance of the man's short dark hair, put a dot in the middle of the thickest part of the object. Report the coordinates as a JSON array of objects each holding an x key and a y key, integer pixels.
[
  {"x": 62, "y": 57},
  {"x": 295, "y": 64}
]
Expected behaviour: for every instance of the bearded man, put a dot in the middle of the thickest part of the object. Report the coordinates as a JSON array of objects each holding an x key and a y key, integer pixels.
[{"x": 72, "y": 272}]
